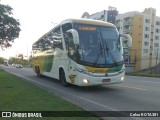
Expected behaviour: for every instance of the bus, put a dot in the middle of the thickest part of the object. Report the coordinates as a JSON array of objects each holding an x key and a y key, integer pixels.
[{"x": 82, "y": 52}]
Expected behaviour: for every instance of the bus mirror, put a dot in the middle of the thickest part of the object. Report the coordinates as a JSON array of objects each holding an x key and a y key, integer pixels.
[
  {"x": 127, "y": 38},
  {"x": 75, "y": 36}
]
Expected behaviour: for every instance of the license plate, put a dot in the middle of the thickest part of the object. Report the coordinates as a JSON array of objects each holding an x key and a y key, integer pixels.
[{"x": 106, "y": 80}]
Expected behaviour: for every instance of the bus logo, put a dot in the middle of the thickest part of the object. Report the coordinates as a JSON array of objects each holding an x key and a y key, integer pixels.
[{"x": 6, "y": 114}]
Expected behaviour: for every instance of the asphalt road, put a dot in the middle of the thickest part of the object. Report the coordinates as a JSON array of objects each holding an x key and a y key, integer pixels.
[{"x": 134, "y": 94}]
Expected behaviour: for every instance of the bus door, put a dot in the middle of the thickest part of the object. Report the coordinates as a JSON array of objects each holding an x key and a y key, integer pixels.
[
  {"x": 72, "y": 73},
  {"x": 71, "y": 52}
]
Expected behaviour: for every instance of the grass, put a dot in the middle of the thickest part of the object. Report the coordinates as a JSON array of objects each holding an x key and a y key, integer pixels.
[
  {"x": 19, "y": 95},
  {"x": 143, "y": 74}
]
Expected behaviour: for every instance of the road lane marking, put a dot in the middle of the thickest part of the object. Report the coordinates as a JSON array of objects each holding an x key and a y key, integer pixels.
[
  {"x": 131, "y": 87},
  {"x": 150, "y": 81},
  {"x": 89, "y": 101},
  {"x": 142, "y": 81},
  {"x": 153, "y": 78}
]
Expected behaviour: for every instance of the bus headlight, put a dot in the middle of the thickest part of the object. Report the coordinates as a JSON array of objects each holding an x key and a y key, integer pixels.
[
  {"x": 85, "y": 80},
  {"x": 122, "y": 78}
]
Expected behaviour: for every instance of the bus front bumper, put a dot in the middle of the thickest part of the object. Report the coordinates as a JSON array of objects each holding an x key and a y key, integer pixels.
[{"x": 90, "y": 80}]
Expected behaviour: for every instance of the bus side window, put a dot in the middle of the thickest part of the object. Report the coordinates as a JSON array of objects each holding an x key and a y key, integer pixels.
[
  {"x": 46, "y": 43},
  {"x": 40, "y": 45},
  {"x": 57, "y": 38},
  {"x": 70, "y": 46},
  {"x": 66, "y": 27},
  {"x": 71, "y": 49}
]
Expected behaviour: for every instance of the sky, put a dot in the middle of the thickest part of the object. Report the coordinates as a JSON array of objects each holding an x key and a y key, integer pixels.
[{"x": 38, "y": 16}]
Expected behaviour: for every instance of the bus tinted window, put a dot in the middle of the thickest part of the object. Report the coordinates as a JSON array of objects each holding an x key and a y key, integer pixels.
[{"x": 57, "y": 38}]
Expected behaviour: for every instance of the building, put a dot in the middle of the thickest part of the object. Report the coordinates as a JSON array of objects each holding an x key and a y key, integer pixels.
[
  {"x": 105, "y": 15},
  {"x": 144, "y": 28}
]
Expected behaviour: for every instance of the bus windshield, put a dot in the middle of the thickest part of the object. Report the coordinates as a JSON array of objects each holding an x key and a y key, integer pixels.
[{"x": 98, "y": 45}]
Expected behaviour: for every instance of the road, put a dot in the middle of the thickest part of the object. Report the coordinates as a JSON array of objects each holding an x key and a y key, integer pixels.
[{"x": 134, "y": 94}]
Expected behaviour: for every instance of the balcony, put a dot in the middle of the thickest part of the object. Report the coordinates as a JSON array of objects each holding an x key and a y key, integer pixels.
[
  {"x": 125, "y": 45},
  {"x": 125, "y": 52},
  {"x": 126, "y": 23},
  {"x": 126, "y": 31},
  {"x": 117, "y": 24}
]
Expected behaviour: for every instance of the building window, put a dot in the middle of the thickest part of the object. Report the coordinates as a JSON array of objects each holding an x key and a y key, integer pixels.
[
  {"x": 156, "y": 44},
  {"x": 157, "y": 23},
  {"x": 145, "y": 50},
  {"x": 155, "y": 52},
  {"x": 157, "y": 37},
  {"x": 146, "y": 43},
  {"x": 118, "y": 23},
  {"x": 147, "y": 20},
  {"x": 147, "y": 28},
  {"x": 146, "y": 36},
  {"x": 157, "y": 30}
]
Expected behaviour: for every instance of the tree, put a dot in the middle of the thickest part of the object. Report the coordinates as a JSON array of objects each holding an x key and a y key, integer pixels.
[
  {"x": 30, "y": 58},
  {"x": 1, "y": 60},
  {"x": 9, "y": 27},
  {"x": 18, "y": 60}
]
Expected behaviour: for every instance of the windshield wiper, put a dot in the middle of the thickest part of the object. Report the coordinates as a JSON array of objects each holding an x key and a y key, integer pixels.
[
  {"x": 98, "y": 55},
  {"x": 108, "y": 51}
]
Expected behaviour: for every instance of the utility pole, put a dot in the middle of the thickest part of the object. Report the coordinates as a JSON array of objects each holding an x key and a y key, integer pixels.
[
  {"x": 157, "y": 56},
  {"x": 27, "y": 49}
]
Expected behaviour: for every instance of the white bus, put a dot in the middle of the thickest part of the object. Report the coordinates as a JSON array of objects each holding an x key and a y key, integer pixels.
[{"x": 82, "y": 52}]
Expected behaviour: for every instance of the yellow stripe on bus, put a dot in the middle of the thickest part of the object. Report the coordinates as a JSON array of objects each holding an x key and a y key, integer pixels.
[{"x": 96, "y": 70}]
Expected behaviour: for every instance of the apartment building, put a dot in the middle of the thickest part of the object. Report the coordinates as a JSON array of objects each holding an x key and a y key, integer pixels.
[
  {"x": 144, "y": 28},
  {"x": 104, "y": 15}
]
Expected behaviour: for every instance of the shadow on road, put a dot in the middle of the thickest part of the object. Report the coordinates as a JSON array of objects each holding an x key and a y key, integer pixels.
[{"x": 100, "y": 88}]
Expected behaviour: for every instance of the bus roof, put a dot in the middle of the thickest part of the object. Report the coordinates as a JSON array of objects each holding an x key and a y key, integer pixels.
[
  {"x": 82, "y": 21},
  {"x": 89, "y": 21}
]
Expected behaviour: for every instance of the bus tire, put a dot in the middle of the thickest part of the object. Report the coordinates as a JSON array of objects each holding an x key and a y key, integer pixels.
[
  {"x": 63, "y": 78},
  {"x": 38, "y": 72}
]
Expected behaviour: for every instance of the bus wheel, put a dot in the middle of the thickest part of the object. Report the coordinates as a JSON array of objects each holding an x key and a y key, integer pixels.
[
  {"x": 38, "y": 72},
  {"x": 63, "y": 78}
]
